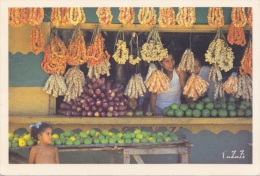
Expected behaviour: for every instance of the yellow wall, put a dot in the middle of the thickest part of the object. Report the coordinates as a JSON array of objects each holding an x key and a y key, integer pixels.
[{"x": 30, "y": 101}]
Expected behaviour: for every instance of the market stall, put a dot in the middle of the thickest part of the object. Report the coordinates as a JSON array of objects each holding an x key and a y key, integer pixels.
[{"x": 79, "y": 69}]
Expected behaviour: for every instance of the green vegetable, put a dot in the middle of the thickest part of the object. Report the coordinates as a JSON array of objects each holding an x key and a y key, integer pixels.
[
  {"x": 240, "y": 112},
  {"x": 231, "y": 99},
  {"x": 188, "y": 113},
  {"x": 222, "y": 112},
  {"x": 179, "y": 113},
  {"x": 196, "y": 112},
  {"x": 224, "y": 105},
  {"x": 192, "y": 105},
  {"x": 205, "y": 113},
  {"x": 166, "y": 109},
  {"x": 232, "y": 113},
  {"x": 247, "y": 103},
  {"x": 214, "y": 112},
  {"x": 170, "y": 112},
  {"x": 231, "y": 106},
  {"x": 199, "y": 106},
  {"x": 248, "y": 113},
  {"x": 209, "y": 105},
  {"x": 206, "y": 99},
  {"x": 184, "y": 107},
  {"x": 175, "y": 106}
]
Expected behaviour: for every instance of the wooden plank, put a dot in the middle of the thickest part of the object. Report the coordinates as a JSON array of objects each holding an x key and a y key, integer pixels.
[
  {"x": 138, "y": 159},
  {"x": 184, "y": 158},
  {"x": 182, "y": 149},
  {"x": 144, "y": 28},
  {"x": 150, "y": 151},
  {"x": 111, "y": 157},
  {"x": 15, "y": 158},
  {"x": 126, "y": 159}
]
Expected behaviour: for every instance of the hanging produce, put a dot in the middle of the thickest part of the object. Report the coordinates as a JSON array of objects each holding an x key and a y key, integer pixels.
[
  {"x": 55, "y": 85},
  {"x": 147, "y": 16},
  {"x": 153, "y": 49},
  {"x": 100, "y": 69},
  {"x": 77, "y": 15},
  {"x": 250, "y": 16},
  {"x": 220, "y": 53},
  {"x": 186, "y": 16},
  {"x": 121, "y": 53},
  {"x": 187, "y": 61},
  {"x": 215, "y": 74},
  {"x": 77, "y": 50},
  {"x": 97, "y": 56},
  {"x": 244, "y": 87},
  {"x": 36, "y": 16},
  {"x": 67, "y": 15},
  {"x": 126, "y": 15},
  {"x": 236, "y": 35},
  {"x": 150, "y": 71},
  {"x": 195, "y": 87},
  {"x": 37, "y": 41},
  {"x": 246, "y": 62},
  {"x": 218, "y": 90},
  {"x": 135, "y": 87},
  {"x": 55, "y": 57},
  {"x": 132, "y": 60},
  {"x": 17, "y": 17},
  {"x": 75, "y": 80},
  {"x": 238, "y": 16},
  {"x": 231, "y": 84},
  {"x": 104, "y": 15},
  {"x": 158, "y": 82},
  {"x": 166, "y": 16},
  {"x": 215, "y": 17}
]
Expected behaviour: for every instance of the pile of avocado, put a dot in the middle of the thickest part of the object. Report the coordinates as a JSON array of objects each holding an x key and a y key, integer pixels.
[{"x": 207, "y": 107}]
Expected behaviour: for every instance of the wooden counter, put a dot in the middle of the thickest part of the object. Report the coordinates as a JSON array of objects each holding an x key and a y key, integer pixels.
[{"x": 195, "y": 125}]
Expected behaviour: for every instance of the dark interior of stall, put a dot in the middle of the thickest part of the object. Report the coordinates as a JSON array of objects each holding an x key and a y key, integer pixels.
[{"x": 179, "y": 42}]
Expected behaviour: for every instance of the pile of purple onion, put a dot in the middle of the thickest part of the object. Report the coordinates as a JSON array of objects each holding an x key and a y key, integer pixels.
[{"x": 100, "y": 98}]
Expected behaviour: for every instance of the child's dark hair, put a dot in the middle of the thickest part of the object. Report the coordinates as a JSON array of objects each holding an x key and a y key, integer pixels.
[{"x": 38, "y": 129}]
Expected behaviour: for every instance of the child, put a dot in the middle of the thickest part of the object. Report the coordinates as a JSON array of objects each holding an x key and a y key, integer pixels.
[{"x": 43, "y": 153}]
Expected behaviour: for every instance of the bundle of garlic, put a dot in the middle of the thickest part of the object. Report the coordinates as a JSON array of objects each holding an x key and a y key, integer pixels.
[
  {"x": 195, "y": 87},
  {"x": 100, "y": 69},
  {"x": 215, "y": 17},
  {"x": 231, "y": 84},
  {"x": 238, "y": 16},
  {"x": 132, "y": 60},
  {"x": 158, "y": 82},
  {"x": 147, "y": 16},
  {"x": 166, "y": 16},
  {"x": 126, "y": 15},
  {"x": 151, "y": 69},
  {"x": 121, "y": 53},
  {"x": 135, "y": 87},
  {"x": 153, "y": 49},
  {"x": 187, "y": 61},
  {"x": 220, "y": 53},
  {"x": 55, "y": 85},
  {"x": 215, "y": 74},
  {"x": 186, "y": 16},
  {"x": 104, "y": 15},
  {"x": 218, "y": 90},
  {"x": 244, "y": 87},
  {"x": 77, "y": 50},
  {"x": 75, "y": 80}
]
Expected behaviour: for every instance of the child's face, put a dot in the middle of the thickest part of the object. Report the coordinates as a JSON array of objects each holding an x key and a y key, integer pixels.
[
  {"x": 45, "y": 137},
  {"x": 168, "y": 63}
]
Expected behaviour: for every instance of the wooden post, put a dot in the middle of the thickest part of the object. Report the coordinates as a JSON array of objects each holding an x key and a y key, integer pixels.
[
  {"x": 126, "y": 159},
  {"x": 111, "y": 157}
]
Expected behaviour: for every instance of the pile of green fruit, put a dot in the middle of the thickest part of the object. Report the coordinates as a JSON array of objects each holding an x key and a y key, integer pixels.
[
  {"x": 206, "y": 107},
  {"x": 95, "y": 136}
]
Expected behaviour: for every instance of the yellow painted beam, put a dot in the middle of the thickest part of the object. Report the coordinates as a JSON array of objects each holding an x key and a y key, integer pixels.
[
  {"x": 195, "y": 125},
  {"x": 30, "y": 101},
  {"x": 144, "y": 28}
]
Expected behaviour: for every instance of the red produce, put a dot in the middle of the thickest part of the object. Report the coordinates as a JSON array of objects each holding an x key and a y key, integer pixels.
[
  {"x": 104, "y": 105},
  {"x": 93, "y": 108},
  {"x": 64, "y": 105},
  {"x": 109, "y": 114},
  {"x": 89, "y": 113},
  {"x": 76, "y": 113},
  {"x": 84, "y": 113},
  {"x": 103, "y": 114},
  {"x": 87, "y": 108},
  {"x": 110, "y": 108},
  {"x": 96, "y": 114}
]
